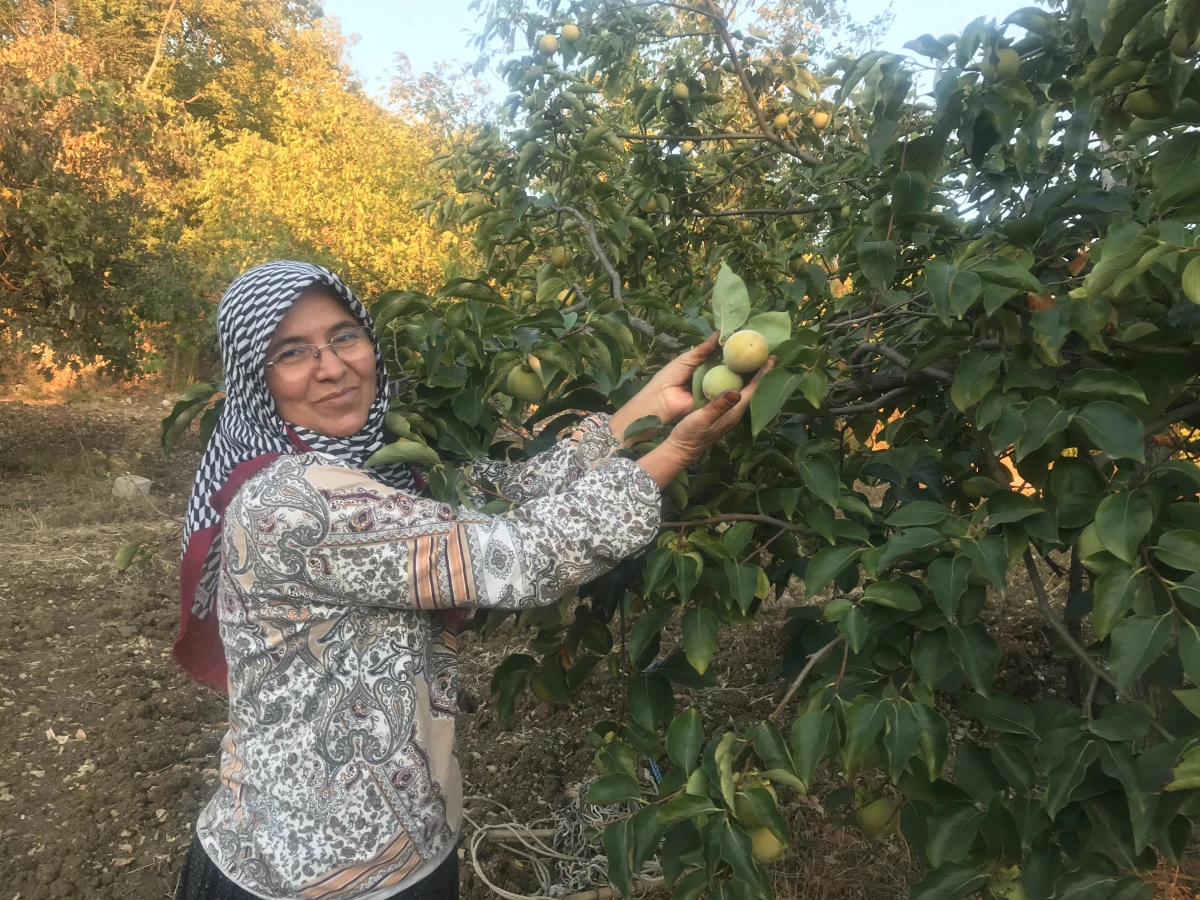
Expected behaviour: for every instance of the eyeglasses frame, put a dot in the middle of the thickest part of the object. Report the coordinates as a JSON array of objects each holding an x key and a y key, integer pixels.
[{"x": 363, "y": 329}]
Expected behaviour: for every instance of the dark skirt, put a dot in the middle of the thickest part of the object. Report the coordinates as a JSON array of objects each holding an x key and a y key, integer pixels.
[{"x": 202, "y": 880}]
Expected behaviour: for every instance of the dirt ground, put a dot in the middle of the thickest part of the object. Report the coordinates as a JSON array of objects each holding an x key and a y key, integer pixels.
[{"x": 107, "y": 752}]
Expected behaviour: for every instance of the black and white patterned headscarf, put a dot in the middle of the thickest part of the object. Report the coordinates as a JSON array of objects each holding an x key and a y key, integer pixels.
[{"x": 249, "y": 428}]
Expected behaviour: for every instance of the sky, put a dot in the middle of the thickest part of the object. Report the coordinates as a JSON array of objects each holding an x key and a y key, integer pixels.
[{"x": 432, "y": 31}]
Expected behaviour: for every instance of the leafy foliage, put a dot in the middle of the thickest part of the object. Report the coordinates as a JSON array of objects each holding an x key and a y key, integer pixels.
[{"x": 991, "y": 287}]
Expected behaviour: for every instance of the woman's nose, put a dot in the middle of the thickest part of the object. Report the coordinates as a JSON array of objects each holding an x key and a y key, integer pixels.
[{"x": 329, "y": 366}]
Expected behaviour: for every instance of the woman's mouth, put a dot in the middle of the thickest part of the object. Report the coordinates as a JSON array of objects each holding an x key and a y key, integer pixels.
[{"x": 339, "y": 397}]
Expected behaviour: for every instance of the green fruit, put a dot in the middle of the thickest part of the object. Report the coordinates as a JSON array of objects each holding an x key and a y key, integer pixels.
[
  {"x": 719, "y": 380},
  {"x": 746, "y": 351},
  {"x": 1060, "y": 91},
  {"x": 548, "y": 43},
  {"x": 879, "y": 819},
  {"x": 765, "y": 846},
  {"x": 680, "y": 91},
  {"x": 528, "y": 296},
  {"x": 525, "y": 384},
  {"x": 1008, "y": 63},
  {"x": 650, "y": 205},
  {"x": 780, "y": 122},
  {"x": 1149, "y": 102},
  {"x": 560, "y": 257}
]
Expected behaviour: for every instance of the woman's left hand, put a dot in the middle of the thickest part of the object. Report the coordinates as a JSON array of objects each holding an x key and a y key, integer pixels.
[{"x": 668, "y": 394}]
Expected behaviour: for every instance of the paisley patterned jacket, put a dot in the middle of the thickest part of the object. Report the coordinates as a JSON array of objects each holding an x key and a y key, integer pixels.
[{"x": 338, "y": 777}]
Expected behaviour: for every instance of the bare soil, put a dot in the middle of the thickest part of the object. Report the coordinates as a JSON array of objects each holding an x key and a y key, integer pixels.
[{"x": 107, "y": 752}]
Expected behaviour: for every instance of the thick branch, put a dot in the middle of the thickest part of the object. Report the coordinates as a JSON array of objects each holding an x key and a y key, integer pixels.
[
  {"x": 1175, "y": 415},
  {"x": 1043, "y": 599},
  {"x": 162, "y": 34},
  {"x": 808, "y": 667},
  {"x": 872, "y": 405},
  {"x": 901, "y": 360},
  {"x": 694, "y": 138}
]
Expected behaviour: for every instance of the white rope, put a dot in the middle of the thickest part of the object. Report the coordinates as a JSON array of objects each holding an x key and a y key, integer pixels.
[{"x": 559, "y": 848}]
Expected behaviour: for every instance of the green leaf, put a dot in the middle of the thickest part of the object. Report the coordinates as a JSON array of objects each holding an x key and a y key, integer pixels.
[
  {"x": 1186, "y": 775},
  {"x": 894, "y": 594},
  {"x": 684, "y": 806},
  {"x": 951, "y": 832},
  {"x": 1008, "y": 272},
  {"x": 1113, "y": 429},
  {"x": 776, "y": 327},
  {"x": 770, "y": 746},
  {"x": 1190, "y": 698},
  {"x": 124, "y": 558},
  {"x": 977, "y": 652},
  {"x": 649, "y": 700},
  {"x": 1042, "y": 418},
  {"x": 1136, "y": 643},
  {"x": 813, "y": 386},
  {"x": 810, "y": 738},
  {"x": 865, "y": 718},
  {"x": 1004, "y": 507},
  {"x": 615, "y": 839},
  {"x": 854, "y": 626},
  {"x": 618, "y": 787},
  {"x": 1106, "y": 382},
  {"x": 699, "y": 636},
  {"x": 1067, "y": 775},
  {"x": 768, "y": 398},
  {"x": 1189, "y": 651},
  {"x": 947, "y": 578},
  {"x": 1180, "y": 549},
  {"x": 1122, "y": 520},
  {"x": 730, "y": 302},
  {"x": 768, "y": 812},
  {"x": 918, "y": 512},
  {"x": 952, "y": 881},
  {"x": 827, "y": 565},
  {"x": 645, "y": 630},
  {"x": 1001, "y": 712},
  {"x": 903, "y": 735},
  {"x": 931, "y": 656},
  {"x": 1013, "y": 763},
  {"x": 903, "y": 543},
  {"x": 820, "y": 476},
  {"x": 990, "y": 557},
  {"x": 403, "y": 451},
  {"x": 976, "y": 376},
  {"x": 877, "y": 259},
  {"x": 1114, "y": 592},
  {"x": 685, "y": 737}
]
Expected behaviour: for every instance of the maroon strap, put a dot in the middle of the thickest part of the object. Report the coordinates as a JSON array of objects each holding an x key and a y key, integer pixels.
[{"x": 198, "y": 649}]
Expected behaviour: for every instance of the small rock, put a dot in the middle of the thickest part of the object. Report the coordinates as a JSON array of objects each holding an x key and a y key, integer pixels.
[
  {"x": 117, "y": 463},
  {"x": 126, "y": 631},
  {"x": 126, "y": 487}
]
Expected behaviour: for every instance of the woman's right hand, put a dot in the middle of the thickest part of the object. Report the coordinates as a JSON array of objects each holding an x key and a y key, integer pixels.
[{"x": 699, "y": 430}]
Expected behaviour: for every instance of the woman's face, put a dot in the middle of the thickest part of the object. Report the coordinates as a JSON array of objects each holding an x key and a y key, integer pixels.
[{"x": 331, "y": 396}]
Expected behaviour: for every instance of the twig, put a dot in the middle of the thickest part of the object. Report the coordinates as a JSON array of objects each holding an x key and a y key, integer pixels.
[
  {"x": 694, "y": 138},
  {"x": 901, "y": 360},
  {"x": 1091, "y": 694},
  {"x": 1039, "y": 590},
  {"x": 808, "y": 667},
  {"x": 871, "y": 405},
  {"x": 596, "y": 248},
  {"x": 1173, "y": 416}
]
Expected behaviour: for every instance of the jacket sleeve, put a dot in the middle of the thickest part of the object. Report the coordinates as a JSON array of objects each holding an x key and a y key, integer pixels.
[
  {"x": 549, "y": 472},
  {"x": 308, "y": 531}
]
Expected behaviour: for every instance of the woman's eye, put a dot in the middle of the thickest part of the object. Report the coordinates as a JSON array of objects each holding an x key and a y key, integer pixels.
[
  {"x": 346, "y": 338},
  {"x": 291, "y": 354}
]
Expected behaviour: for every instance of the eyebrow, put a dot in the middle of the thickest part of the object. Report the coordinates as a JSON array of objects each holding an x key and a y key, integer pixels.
[{"x": 287, "y": 342}]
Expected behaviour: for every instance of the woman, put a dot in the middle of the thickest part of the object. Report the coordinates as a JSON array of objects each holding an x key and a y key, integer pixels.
[{"x": 317, "y": 592}]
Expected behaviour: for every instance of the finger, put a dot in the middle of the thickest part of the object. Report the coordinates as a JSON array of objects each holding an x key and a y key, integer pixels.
[{"x": 720, "y": 405}]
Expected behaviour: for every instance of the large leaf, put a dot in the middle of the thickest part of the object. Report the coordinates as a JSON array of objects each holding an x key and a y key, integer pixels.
[
  {"x": 775, "y": 327},
  {"x": 768, "y": 398},
  {"x": 1122, "y": 520},
  {"x": 976, "y": 375},
  {"x": 810, "y": 738},
  {"x": 1113, "y": 429},
  {"x": 877, "y": 259},
  {"x": 1136, "y": 643},
  {"x": 403, "y": 451},
  {"x": 826, "y": 566},
  {"x": 951, "y": 881},
  {"x": 618, "y": 787},
  {"x": 1114, "y": 592},
  {"x": 685, "y": 737},
  {"x": 730, "y": 302},
  {"x": 699, "y": 627}
]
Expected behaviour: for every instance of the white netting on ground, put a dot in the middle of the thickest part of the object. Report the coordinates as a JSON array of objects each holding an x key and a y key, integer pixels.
[{"x": 561, "y": 850}]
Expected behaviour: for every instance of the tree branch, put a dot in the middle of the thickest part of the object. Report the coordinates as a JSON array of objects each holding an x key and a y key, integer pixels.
[
  {"x": 1175, "y": 415},
  {"x": 901, "y": 360},
  {"x": 162, "y": 34},
  {"x": 694, "y": 138},
  {"x": 808, "y": 667},
  {"x": 871, "y": 405},
  {"x": 1043, "y": 599},
  {"x": 590, "y": 228}
]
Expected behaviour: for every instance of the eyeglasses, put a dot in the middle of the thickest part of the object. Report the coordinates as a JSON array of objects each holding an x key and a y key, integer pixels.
[{"x": 297, "y": 361}]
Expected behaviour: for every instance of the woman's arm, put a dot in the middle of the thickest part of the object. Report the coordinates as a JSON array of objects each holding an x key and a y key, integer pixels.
[
  {"x": 323, "y": 533},
  {"x": 549, "y": 472}
]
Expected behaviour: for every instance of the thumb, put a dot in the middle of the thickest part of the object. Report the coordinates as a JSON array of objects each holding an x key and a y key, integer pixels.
[{"x": 721, "y": 404}]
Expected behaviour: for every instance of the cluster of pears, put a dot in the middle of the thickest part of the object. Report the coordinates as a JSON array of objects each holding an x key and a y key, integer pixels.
[
  {"x": 744, "y": 352},
  {"x": 548, "y": 43}
]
